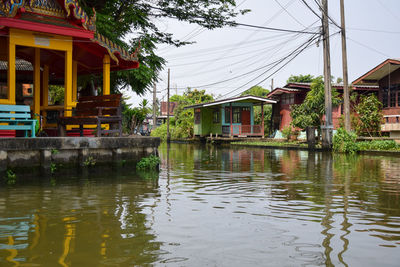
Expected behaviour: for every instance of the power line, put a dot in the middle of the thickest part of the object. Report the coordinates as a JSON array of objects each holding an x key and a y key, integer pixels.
[
  {"x": 272, "y": 28},
  {"x": 388, "y": 10},
  {"x": 233, "y": 23},
  {"x": 372, "y": 30},
  {"x": 258, "y": 57},
  {"x": 296, "y": 52},
  {"x": 326, "y": 13},
  {"x": 275, "y": 63},
  {"x": 370, "y": 48},
  {"x": 293, "y": 17},
  {"x": 259, "y": 52},
  {"x": 216, "y": 49},
  {"x": 312, "y": 10}
]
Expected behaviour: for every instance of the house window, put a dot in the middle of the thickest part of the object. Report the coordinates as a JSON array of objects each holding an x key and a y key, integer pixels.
[
  {"x": 287, "y": 99},
  {"x": 216, "y": 116},
  {"x": 398, "y": 94},
  {"x": 197, "y": 116},
  {"x": 385, "y": 97},
  {"x": 237, "y": 112},
  {"x": 246, "y": 109},
  {"x": 227, "y": 115},
  {"x": 393, "y": 90}
]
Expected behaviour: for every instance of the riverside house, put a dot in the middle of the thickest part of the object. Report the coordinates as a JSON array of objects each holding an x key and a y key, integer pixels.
[
  {"x": 295, "y": 93},
  {"x": 229, "y": 117},
  {"x": 386, "y": 76},
  {"x": 53, "y": 42}
]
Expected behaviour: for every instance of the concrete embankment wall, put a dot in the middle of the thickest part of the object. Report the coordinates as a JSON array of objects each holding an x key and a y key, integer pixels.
[{"x": 69, "y": 151}]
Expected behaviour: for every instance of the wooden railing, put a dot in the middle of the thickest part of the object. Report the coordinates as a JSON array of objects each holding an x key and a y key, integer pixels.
[
  {"x": 392, "y": 123},
  {"x": 243, "y": 130}
]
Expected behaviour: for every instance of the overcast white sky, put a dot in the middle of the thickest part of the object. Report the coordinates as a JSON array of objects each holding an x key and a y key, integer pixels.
[{"x": 372, "y": 30}]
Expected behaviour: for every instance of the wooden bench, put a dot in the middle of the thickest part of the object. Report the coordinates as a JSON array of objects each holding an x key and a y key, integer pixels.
[
  {"x": 17, "y": 117},
  {"x": 95, "y": 110}
]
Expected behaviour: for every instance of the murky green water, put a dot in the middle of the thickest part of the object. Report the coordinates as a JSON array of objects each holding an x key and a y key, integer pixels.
[{"x": 209, "y": 207}]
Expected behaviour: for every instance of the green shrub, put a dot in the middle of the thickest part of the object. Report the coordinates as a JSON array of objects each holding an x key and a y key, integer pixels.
[
  {"x": 89, "y": 162},
  {"x": 378, "y": 145},
  {"x": 10, "y": 177},
  {"x": 148, "y": 163},
  {"x": 344, "y": 141},
  {"x": 161, "y": 131},
  {"x": 287, "y": 132}
]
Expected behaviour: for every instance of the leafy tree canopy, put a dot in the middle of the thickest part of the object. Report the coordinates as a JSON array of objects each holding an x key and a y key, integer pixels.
[
  {"x": 312, "y": 110},
  {"x": 183, "y": 122},
  {"x": 370, "y": 116},
  {"x": 256, "y": 91},
  {"x": 308, "y": 78},
  {"x": 134, "y": 20}
]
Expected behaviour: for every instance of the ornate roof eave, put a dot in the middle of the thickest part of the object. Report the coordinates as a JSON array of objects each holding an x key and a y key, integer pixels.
[
  {"x": 10, "y": 8},
  {"x": 89, "y": 23},
  {"x": 115, "y": 50}
]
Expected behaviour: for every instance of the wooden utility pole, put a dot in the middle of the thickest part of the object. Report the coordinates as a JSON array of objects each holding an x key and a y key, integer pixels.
[
  {"x": 346, "y": 94},
  {"x": 168, "y": 135},
  {"x": 327, "y": 129},
  {"x": 272, "y": 84},
  {"x": 154, "y": 106}
]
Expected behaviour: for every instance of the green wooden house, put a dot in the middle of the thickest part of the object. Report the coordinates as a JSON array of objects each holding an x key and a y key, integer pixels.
[{"x": 229, "y": 117}]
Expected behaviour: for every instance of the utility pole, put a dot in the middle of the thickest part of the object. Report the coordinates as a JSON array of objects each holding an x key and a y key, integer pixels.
[
  {"x": 154, "y": 106},
  {"x": 272, "y": 84},
  {"x": 168, "y": 135},
  {"x": 346, "y": 94},
  {"x": 327, "y": 129}
]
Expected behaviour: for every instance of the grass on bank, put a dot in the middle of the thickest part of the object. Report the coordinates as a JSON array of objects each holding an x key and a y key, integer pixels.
[
  {"x": 271, "y": 143},
  {"x": 343, "y": 142}
]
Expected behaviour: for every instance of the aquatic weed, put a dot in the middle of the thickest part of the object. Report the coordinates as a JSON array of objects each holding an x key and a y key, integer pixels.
[{"x": 148, "y": 163}]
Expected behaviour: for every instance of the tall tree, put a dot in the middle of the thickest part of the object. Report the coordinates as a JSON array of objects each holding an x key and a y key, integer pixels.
[
  {"x": 182, "y": 123},
  {"x": 308, "y": 78},
  {"x": 369, "y": 115},
  {"x": 312, "y": 110},
  {"x": 256, "y": 91},
  {"x": 134, "y": 20}
]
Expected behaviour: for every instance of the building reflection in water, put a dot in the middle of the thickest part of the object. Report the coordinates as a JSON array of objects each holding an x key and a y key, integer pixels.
[
  {"x": 324, "y": 209},
  {"x": 327, "y": 186},
  {"x": 102, "y": 218}
]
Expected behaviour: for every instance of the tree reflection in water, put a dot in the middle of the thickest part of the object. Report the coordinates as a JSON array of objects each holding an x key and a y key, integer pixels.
[{"x": 209, "y": 206}]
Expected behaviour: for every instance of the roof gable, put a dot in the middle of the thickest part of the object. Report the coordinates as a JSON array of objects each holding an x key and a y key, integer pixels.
[
  {"x": 69, "y": 10},
  {"x": 382, "y": 70},
  {"x": 248, "y": 98}
]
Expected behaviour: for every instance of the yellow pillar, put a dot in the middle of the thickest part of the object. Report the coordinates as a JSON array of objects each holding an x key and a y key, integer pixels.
[
  {"x": 106, "y": 75},
  {"x": 68, "y": 82},
  {"x": 46, "y": 85},
  {"x": 74, "y": 81},
  {"x": 45, "y": 88},
  {"x": 11, "y": 73},
  {"x": 36, "y": 82}
]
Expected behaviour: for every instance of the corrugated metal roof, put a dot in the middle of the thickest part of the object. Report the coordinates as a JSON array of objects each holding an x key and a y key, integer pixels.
[
  {"x": 373, "y": 76},
  {"x": 20, "y": 65},
  {"x": 233, "y": 99},
  {"x": 340, "y": 85}
]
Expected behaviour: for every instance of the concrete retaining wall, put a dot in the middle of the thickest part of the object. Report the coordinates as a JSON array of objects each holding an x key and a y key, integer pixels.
[{"x": 43, "y": 152}]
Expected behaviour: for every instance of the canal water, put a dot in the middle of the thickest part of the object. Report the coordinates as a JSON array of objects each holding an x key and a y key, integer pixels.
[{"x": 209, "y": 206}]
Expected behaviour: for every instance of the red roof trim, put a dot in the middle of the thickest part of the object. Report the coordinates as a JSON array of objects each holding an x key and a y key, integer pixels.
[
  {"x": 276, "y": 90},
  {"x": 390, "y": 61},
  {"x": 39, "y": 27},
  {"x": 298, "y": 85}
]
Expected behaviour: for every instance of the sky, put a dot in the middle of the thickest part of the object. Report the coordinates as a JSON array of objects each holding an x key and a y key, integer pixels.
[{"x": 228, "y": 61}]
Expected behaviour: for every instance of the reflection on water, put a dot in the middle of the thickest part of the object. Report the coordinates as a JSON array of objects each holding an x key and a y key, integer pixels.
[{"x": 210, "y": 206}]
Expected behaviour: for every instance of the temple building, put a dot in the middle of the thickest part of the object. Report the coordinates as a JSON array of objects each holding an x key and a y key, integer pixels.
[{"x": 53, "y": 42}]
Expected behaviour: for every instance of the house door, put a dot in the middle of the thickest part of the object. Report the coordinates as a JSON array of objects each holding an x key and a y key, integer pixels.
[{"x": 246, "y": 121}]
